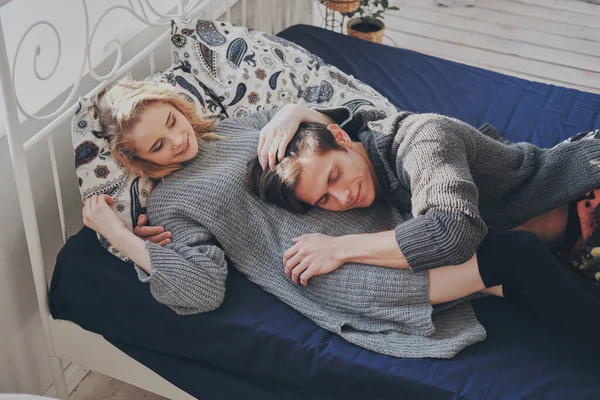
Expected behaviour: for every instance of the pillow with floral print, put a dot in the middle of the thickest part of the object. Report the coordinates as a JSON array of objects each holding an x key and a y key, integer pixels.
[{"x": 246, "y": 70}]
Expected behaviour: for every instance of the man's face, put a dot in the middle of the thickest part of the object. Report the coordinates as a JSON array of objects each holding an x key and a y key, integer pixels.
[{"x": 338, "y": 180}]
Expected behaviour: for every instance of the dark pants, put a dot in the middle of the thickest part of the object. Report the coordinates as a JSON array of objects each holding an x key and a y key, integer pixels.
[{"x": 530, "y": 274}]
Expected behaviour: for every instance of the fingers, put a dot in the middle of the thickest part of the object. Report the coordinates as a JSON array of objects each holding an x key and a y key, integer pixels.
[
  {"x": 85, "y": 211},
  {"x": 100, "y": 201},
  {"x": 107, "y": 199},
  {"x": 291, "y": 264},
  {"x": 283, "y": 147},
  {"x": 161, "y": 238},
  {"x": 142, "y": 220},
  {"x": 267, "y": 134},
  {"x": 164, "y": 242},
  {"x": 272, "y": 154},
  {"x": 147, "y": 231},
  {"x": 289, "y": 254},
  {"x": 262, "y": 143},
  {"x": 271, "y": 146},
  {"x": 297, "y": 271},
  {"x": 306, "y": 275}
]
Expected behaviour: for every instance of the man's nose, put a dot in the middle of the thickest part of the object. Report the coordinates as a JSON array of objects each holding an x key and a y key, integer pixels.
[{"x": 343, "y": 195}]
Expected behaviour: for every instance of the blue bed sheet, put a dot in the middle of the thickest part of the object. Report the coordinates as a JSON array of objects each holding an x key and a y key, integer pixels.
[{"x": 254, "y": 346}]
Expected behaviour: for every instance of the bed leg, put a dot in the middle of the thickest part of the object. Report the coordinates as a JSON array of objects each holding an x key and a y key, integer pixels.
[{"x": 60, "y": 383}]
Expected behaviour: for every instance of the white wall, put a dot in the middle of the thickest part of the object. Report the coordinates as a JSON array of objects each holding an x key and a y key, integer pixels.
[{"x": 24, "y": 365}]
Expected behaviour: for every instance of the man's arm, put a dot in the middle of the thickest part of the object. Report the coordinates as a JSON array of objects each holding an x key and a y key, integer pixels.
[
  {"x": 432, "y": 159},
  {"x": 372, "y": 248}
]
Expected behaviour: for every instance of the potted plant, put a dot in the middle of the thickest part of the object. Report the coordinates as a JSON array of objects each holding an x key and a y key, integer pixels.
[{"x": 369, "y": 23}]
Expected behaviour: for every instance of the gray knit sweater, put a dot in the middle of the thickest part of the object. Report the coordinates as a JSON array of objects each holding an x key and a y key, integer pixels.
[
  {"x": 211, "y": 215},
  {"x": 458, "y": 182}
]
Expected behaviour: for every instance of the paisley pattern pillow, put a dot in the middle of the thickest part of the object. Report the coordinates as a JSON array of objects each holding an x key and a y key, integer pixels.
[
  {"x": 99, "y": 173},
  {"x": 247, "y": 70}
]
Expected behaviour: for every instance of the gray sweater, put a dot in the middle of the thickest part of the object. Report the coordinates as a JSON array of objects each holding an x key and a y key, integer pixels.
[
  {"x": 458, "y": 182},
  {"x": 211, "y": 215}
]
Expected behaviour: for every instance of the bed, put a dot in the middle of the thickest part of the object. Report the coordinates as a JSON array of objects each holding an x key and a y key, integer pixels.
[{"x": 254, "y": 346}]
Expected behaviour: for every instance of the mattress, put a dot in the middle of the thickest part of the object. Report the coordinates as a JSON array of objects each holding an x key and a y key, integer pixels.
[{"x": 255, "y": 346}]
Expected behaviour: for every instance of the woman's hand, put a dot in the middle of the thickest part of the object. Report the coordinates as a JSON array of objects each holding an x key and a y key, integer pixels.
[
  {"x": 98, "y": 215},
  {"x": 277, "y": 134},
  {"x": 155, "y": 234},
  {"x": 312, "y": 254}
]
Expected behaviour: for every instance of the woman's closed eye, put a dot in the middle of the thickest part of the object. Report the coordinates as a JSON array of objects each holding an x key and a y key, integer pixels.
[
  {"x": 172, "y": 123},
  {"x": 158, "y": 147}
]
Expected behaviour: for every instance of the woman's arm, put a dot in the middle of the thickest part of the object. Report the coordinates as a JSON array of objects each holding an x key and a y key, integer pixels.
[{"x": 187, "y": 275}]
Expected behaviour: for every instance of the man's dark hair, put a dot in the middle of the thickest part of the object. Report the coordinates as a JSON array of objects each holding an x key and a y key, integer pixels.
[{"x": 277, "y": 185}]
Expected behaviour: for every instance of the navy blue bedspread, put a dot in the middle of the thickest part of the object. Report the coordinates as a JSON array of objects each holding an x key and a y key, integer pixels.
[{"x": 256, "y": 347}]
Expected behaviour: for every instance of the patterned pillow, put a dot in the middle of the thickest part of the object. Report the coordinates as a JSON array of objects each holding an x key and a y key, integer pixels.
[
  {"x": 245, "y": 71},
  {"x": 99, "y": 173}
]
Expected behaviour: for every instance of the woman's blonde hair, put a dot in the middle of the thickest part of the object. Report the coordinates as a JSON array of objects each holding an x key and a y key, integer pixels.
[{"x": 119, "y": 108}]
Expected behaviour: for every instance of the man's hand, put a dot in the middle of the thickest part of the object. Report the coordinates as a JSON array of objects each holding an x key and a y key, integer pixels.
[
  {"x": 312, "y": 254},
  {"x": 154, "y": 234}
]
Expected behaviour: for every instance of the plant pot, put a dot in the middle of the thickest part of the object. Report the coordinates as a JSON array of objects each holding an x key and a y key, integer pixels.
[
  {"x": 366, "y": 28},
  {"x": 343, "y": 6}
]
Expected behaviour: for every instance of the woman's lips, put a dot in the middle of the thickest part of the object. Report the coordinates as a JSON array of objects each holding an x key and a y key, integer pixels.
[{"x": 187, "y": 146}]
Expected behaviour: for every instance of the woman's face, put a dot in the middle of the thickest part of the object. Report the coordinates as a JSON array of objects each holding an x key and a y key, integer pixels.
[
  {"x": 336, "y": 181},
  {"x": 164, "y": 136}
]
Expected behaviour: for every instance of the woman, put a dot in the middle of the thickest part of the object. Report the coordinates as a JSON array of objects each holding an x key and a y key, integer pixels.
[{"x": 456, "y": 181}]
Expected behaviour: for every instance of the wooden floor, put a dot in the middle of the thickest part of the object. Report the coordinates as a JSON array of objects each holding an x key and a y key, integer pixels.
[
  {"x": 552, "y": 41},
  {"x": 96, "y": 386}
]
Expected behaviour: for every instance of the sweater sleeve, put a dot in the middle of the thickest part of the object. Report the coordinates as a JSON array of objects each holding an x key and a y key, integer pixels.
[
  {"x": 188, "y": 275},
  {"x": 432, "y": 159}
]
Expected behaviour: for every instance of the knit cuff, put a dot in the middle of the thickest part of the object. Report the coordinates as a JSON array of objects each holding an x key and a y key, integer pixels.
[
  {"x": 341, "y": 115},
  {"x": 416, "y": 239},
  {"x": 143, "y": 276}
]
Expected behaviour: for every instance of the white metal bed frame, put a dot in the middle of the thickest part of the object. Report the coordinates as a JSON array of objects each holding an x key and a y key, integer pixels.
[{"x": 65, "y": 339}]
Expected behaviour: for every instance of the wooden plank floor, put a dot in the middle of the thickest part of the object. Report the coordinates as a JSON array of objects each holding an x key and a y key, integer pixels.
[
  {"x": 552, "y": 41},
  {"x": 96, "y": 386}
]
